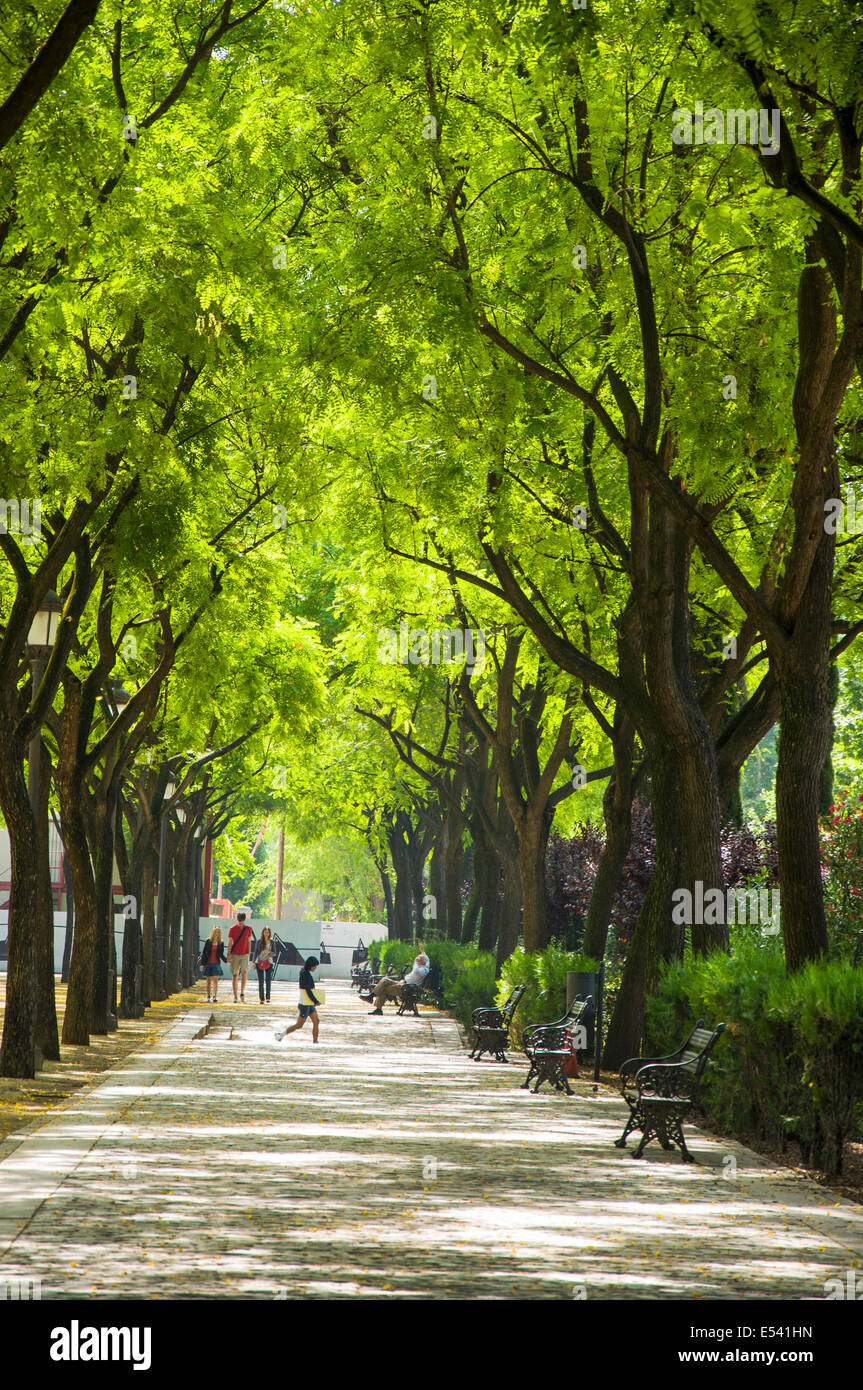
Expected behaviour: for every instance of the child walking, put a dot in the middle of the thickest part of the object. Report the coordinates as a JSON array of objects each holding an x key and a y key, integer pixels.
[{"x": 308, "y": 1005}]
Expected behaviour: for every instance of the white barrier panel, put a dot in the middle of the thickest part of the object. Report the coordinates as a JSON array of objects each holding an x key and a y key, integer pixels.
[
  {"x": 295, "y": 938},
  {"x": 339, "y": 939}
]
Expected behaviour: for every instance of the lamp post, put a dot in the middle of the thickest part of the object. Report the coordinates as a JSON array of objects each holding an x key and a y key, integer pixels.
[
  {"x": 170, "y": 788},
  {"x": 118, "y": 696},
  {"x": 41, "y": 638}
]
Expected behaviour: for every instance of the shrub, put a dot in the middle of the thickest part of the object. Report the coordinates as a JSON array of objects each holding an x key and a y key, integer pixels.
[
  {"x": 748, "y": 1086},
  {"x": 543, "y": 973},
  {"x": 471, "y": 987},
  {"x": 842, "y": 855},
  {"x": 749, "y": 858},
  {"x": 823, "y": 1005},
  {"x": 790, "y": 1062}
]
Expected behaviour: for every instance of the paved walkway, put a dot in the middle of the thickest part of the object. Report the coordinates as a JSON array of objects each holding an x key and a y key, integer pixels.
[{"x": 383, "y": 1159}]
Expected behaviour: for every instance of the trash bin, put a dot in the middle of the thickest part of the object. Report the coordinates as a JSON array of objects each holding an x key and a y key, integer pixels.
[{"x": 584, "y": 982}]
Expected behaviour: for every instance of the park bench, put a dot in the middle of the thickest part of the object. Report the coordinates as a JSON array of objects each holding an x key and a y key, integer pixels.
[
  {"x": 491, "y": 1027},
  {"x": 372, "y": 979},
  {"x": 431, "y": 991},
  {"x": 662, "y": 1091},
  {"x": 410, "y": 997},
  {"x": 549, "y": 1046}
]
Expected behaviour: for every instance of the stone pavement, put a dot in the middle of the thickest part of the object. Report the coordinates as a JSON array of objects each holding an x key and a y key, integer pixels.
[{"x": 383, "y": 1161}]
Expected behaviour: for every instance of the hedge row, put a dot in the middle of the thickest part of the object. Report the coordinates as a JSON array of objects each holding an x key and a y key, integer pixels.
[
  {"x": 790, "y": 1062},
  {"x": 467, "y": 973},
  {"x": 469, "y": 981}
]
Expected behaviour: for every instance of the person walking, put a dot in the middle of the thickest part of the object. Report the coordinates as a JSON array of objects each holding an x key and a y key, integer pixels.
[
  {"x": 308, "y": 1005},
  {"x": 213, "y": 952},
  {"x": 239, "y": 944},
  {"x": 264, "y": 964}
]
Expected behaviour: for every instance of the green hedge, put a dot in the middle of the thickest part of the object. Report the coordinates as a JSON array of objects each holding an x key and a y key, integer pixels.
[
  {"x": 790, "y": 1062},
  {"x": 543, "y": 973}
]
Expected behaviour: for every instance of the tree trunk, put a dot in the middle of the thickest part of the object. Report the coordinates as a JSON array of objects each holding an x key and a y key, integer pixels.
[
  {"x": 487, "y": 871},
  {"x": 130, "y": 1007},
  {"x": 801, "y": 663},
  {"x": 148, "y": 928},
  {"x": 437, "y": 887},
  {"x": 129, "y": 868},
  {"x": 656, "y": 938},
  {"x": 47, "y": 1037},
  {"x": 533, "y": 833},
  {"x": 679, "y": 731},
  {"x": 453, "y": 864},
  {"x": 79, "y": 992},
  {"x": 102, "y": 844},
  {"x": 19, "y": 1021},
  {"x": 403, "y": 896},
  {"x": 510, "y": 913},
  {"x": 70, "y": 925},
  {"x": 617, "y": 812},
  {"x": 803, "y": 745},
  {"x": 387, "y": 888},
  {"x": 825, "y": 795},
  {"x": 173, "y": 914},
  {"x": 416, "y": 860},
  {"x": 190, "y": 915}
]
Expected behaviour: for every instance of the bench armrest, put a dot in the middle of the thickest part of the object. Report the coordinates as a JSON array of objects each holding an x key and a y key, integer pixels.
[{"x": 487, "y": 1018}]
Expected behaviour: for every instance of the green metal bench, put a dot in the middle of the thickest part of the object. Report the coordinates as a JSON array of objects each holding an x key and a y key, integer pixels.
[
  {"x": 549, "y": 1046},
  {"x": 491, "y": 1027},
  {"x": 662, "y": 1091}
]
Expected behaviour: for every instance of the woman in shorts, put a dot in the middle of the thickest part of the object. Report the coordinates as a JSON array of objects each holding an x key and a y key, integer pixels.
[
  {"x": 213, "y": 952},
  {"x": 308, "y": 1005}
]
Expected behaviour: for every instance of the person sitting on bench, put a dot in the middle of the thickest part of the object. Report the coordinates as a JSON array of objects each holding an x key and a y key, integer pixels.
[{"x": 392, "y": 989}]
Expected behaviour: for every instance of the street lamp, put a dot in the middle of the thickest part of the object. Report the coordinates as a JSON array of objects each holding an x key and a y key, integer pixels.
[
  {"x": 119, "y": 696},
  {"x": 43, "y": 629},
  {"x": 41, "y": 638}
]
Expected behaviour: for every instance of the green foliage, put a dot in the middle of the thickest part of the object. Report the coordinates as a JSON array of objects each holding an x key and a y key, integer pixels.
[
  {"x": 842, "y": 855},
  {"x": 471, "y": 987},
  {"x": 543, "y": 973},
  {"x": 789, "y": 1063}
]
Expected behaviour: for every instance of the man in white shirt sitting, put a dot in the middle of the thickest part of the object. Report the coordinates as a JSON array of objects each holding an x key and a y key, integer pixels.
[{"x": 392, "y": 989}]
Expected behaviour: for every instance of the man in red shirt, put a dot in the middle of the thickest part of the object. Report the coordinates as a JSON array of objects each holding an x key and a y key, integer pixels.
[{"x": 239, "y": 944}]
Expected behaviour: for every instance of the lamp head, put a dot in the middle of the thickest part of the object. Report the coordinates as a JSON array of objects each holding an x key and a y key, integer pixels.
[{"x": 43, "y": 629}]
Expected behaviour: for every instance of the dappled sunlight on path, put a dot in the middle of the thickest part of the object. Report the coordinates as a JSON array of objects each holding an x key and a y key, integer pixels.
[{"x": 384, "y": 1159}]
